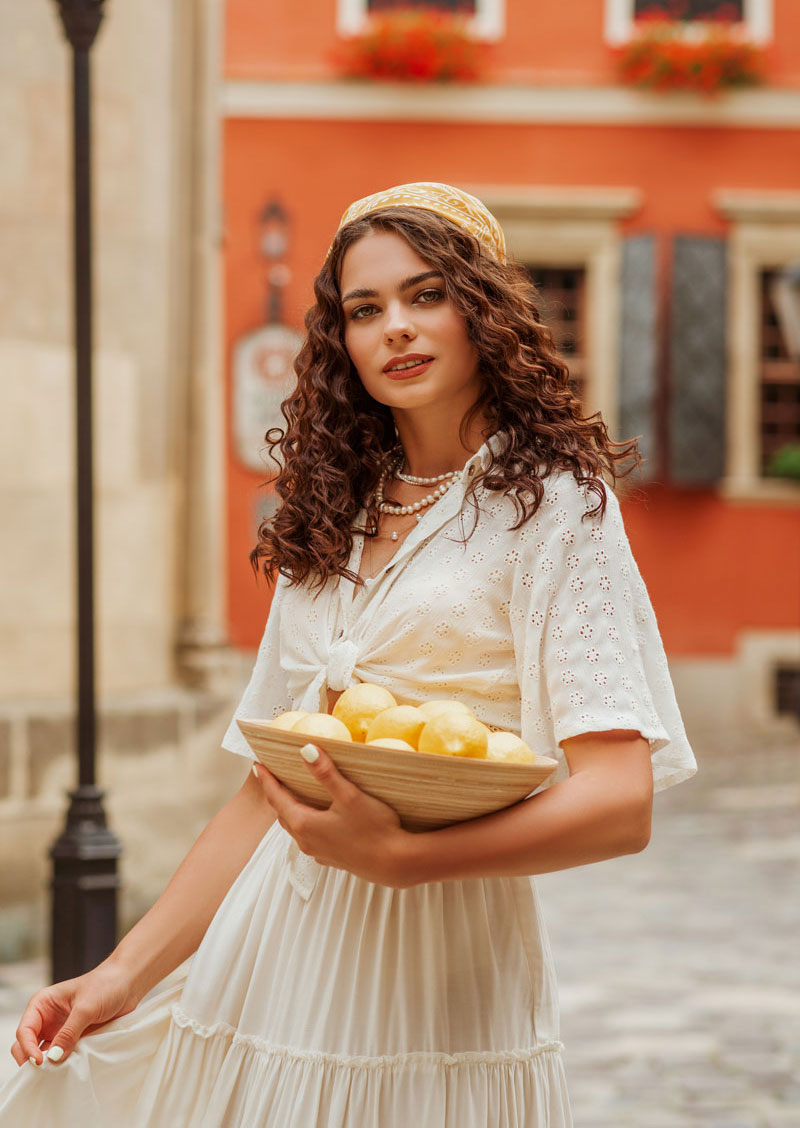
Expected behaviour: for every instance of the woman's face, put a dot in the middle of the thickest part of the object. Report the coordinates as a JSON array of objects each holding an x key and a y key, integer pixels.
[{"x": 408, "y": 343}]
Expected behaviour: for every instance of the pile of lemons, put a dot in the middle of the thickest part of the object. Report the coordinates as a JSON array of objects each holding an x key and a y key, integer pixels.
[{"x": 369, "y": 714}]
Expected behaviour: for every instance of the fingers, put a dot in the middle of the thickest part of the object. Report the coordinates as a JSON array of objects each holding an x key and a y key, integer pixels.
[
  {"x": 67, "y": 1037},
  {"x": 308, "y": 826},
  {"x": 29, "y": 1033},
  {"x": 20, "y": 1057},
  {"x": 295, "y": 817},
  {"x": 325, "y": 772},
  {"x": 283, "y": 803},
  {"x": 33, "y": 1029}
]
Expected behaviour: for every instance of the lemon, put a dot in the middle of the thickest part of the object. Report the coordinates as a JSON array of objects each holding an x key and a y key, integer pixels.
[
  {"x": 359, "y": 706},
  {"x": 403, "y": 722},
  {"x": 287, "y": 720},
  {"x": 393, "y": 742},
  {"x": 509, "y": 747},
  {"x": 321, "y": 724},
  {"x": 456, "y": 733},
  {"x": 434, "y": 708}
]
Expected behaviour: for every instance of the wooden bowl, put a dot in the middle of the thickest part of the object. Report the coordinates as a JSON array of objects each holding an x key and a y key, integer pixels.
[{"x": 427, "y": 791}]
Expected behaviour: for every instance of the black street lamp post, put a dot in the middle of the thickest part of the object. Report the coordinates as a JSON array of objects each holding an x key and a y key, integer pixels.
[{"x": 85, "y": 881}]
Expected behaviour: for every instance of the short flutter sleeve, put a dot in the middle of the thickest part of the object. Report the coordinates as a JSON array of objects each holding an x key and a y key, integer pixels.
[
  {"x": 267, "y": 693},
  {"x": 589, "y": 653}
]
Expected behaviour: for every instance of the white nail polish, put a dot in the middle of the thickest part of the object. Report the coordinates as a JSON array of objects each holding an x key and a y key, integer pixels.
[
  {"x": 253, "y": 770},
  {"x": 33, "y": 1060},
  {"x": 309, "y": 753},
  {"x": 55, "y": 1053}
]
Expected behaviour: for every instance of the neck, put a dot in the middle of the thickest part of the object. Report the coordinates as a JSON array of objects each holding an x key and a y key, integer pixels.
[{"x": 433, "y": 447}]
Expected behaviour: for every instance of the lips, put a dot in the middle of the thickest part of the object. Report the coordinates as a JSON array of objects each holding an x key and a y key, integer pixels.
[{"x": 406, "y": 364}]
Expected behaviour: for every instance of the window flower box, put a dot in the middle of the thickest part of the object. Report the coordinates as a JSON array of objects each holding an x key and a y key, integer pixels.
[
  {"x": 785, "y": 462},
  {"x": 413, "y": 45},
  {"x": 704, "y": 56}
]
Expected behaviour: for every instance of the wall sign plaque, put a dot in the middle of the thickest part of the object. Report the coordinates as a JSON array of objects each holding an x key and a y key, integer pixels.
[{"x": 263, "y": 376}]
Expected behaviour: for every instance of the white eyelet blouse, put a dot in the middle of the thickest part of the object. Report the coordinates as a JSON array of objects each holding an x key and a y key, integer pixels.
[{"x": 546, "y": 630}]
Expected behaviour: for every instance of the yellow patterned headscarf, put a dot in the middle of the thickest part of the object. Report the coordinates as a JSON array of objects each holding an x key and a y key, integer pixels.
[{"x": 459, "y": 207}]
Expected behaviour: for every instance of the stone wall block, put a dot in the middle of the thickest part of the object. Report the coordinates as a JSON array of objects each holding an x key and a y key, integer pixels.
[
  {"x": 120, "y": 145},
  {"x": 36, "y": 660},
  {"x": 37, "y": 565},
  {"x": 51, "y": 755},
  {"x": 35, "y": 277},
  {"x": 5, "y": 759},
  {"x": 160, "y": 728},
  {"x": 134, "y": 573},
  {"x": 135, "y": 656},
  {"x": 36, "y": 417},
  {"x": 132, "y": 314},
  {"x": 50, "y": 152},
  {"x": 210, "y": 710},
  {"x": 139, "y": 731},
  {"x": 32, "y": 45},
  {"x": 116, "y": 422},
  {"x": 134, "y": 72},
  {"x": 16, "y": 148}
]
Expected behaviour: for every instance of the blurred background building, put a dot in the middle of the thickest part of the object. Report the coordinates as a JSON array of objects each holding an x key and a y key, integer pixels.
[{"x": 229, "y": 140}]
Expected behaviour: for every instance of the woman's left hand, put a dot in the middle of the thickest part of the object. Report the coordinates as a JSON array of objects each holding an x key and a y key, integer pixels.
[{"x": 357, "y": 833}]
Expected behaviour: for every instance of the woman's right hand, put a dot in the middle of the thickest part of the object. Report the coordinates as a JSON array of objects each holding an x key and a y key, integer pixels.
[{"x": 57, "y": 1016}]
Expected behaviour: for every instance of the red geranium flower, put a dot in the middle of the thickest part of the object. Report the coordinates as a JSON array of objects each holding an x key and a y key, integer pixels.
[
  {"x": 413, "y": 45},
  {"x": 710, "y": 56}
]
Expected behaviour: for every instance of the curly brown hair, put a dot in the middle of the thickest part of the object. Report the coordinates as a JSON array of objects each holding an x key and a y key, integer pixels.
[{"x": 337, "y": 436}]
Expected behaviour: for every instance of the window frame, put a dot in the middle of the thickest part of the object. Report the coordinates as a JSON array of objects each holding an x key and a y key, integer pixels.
[
  {"x": 619, "y": 21},
  {"x": 489, "y": 22},
  {"x": 576, "y": 362},
  {"x": 575, "y": 226},
  {"x": 759, "y": 654},
  {"x": 764, "y": 235},
  {"x": 778, "y": 372}
]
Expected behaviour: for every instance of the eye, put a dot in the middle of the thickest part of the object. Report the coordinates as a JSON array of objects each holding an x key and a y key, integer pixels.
[
  {"x": 428, "y": 296},
  {"x": 360, "y": 312}
]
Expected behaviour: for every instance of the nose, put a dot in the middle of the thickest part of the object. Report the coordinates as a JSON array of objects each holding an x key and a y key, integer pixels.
[{"x": 399, "y": 325}]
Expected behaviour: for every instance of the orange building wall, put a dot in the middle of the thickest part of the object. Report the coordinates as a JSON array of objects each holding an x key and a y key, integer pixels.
[
  {"x": 702, "y": 558},
  {"x": 544, "y": 42},
  {"x": 713, "y": 567}
]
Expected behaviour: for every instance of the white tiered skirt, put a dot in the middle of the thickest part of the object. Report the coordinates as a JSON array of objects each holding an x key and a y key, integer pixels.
[{"x": 356, "y": 1006}]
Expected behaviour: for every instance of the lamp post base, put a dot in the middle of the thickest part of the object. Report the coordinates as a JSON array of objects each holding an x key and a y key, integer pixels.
[{"x": 84, "y": 887}]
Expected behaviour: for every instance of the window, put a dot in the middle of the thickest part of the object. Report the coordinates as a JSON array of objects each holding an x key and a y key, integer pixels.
[
  {"x": 787, "y": 691},
  {"x": 762, "y": 405},
  {"x": 621, "y": 15},
  {"x": 563, "y": 309},
  {"x": 488, "y": 16},
  {"x": 691, "y": 9},
  {"x": 570, "y": 238},
  {"x": 779, "y": 380},
  {"x": 767, "y": 681},
  {"x": 467, "y": 6}
]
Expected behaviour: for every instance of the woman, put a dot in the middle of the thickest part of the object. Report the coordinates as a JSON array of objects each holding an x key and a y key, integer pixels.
[{"x": 444, "y": 531}]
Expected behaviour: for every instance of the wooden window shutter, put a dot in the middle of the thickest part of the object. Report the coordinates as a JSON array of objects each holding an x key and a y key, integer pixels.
[
  {"x": 638, "y": 377},
  {"x": 697, "y": 360}
]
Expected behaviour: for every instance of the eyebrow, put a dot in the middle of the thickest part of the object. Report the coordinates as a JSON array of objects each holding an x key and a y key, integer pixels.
[{"x": 406, "y": 284}]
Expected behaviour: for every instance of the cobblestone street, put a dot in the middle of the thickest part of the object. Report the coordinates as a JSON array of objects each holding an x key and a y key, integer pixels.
[{"x": 678, "y": 968}]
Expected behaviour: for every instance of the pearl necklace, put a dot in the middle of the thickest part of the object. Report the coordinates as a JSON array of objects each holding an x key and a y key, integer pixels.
[
  {"x": 393, "y": 468},
  {"x": 423, "y": 481}
]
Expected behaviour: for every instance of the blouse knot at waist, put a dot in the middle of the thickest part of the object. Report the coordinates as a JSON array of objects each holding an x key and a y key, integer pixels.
[{"x": 342, "y": 658}]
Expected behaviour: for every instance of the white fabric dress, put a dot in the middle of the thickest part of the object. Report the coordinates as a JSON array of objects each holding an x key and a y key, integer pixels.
[{"x": 319, "y": 1000}]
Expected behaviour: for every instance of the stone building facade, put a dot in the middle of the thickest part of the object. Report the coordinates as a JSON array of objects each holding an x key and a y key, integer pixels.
[{"x": 166, "y": 678}]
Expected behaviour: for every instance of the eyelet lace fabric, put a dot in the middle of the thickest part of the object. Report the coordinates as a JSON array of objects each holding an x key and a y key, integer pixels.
[{"x": 547, "y": 630}]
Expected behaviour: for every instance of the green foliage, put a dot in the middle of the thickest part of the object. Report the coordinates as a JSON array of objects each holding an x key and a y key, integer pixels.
[{"x": 785, "y": 462}]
